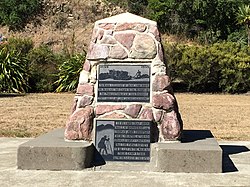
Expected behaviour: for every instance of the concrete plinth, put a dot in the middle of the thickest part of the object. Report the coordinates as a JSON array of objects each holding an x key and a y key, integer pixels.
[
  {"x": 52, "y": 152},
  {"x": 198, "y": 152}
]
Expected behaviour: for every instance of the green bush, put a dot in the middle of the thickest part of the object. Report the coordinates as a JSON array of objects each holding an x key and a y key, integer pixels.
[
  {"x": 69, "y": 72},
  {"x": 21, "y": 45},
  {"x": 13, "y": 71},
  {"x": 17, "y": 13},
  {"x": 219, "y": 67},
  {"x": 42, "y": 69}
]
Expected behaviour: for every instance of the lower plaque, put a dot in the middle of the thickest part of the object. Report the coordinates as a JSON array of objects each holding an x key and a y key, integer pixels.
[{"x": 123, "y": 140}]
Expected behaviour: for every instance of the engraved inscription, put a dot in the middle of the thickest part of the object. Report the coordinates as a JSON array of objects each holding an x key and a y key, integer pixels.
[
  {"x": 123, "y": 83},
  {"x": 123, "y": 140}
]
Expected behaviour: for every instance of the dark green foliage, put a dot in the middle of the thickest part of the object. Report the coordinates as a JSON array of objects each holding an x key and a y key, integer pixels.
[
  {"x": 42, "y": 69},
  {"x": 209, "y": 20},
  {"x": 69, "y": 73},
  {"x": 239, "y": 36},
  {"x": 17, "y": 13},
  {"x": 24, "y": 68},
  {"x": 219, "y": 67}
]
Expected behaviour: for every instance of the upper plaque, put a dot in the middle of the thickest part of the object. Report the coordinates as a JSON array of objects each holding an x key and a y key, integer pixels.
[{"x": 124, "y": 83}]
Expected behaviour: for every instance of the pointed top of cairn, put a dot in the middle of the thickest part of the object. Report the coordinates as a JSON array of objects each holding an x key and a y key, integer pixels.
[{"x": 126, "y": 17}]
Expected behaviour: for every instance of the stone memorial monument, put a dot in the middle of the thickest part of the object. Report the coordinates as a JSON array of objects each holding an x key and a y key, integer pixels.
[
  {"x": 124, "y": 110},
  {"x": 124, "y": 77}
]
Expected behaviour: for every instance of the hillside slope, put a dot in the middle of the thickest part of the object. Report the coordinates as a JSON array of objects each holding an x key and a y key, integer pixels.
[{"x": 65, "y": 24}]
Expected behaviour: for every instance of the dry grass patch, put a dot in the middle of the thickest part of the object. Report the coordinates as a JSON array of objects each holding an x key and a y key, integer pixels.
[
  {"x": 227, "y": 116},
  {"x": 34, "y": 114}
]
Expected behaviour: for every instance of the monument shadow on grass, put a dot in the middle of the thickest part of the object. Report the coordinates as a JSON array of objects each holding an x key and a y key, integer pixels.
[{"x": 189, "y": 136}]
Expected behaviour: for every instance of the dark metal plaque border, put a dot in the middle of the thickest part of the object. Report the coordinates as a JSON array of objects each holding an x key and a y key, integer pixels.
[{"x": 124, "y": 82}]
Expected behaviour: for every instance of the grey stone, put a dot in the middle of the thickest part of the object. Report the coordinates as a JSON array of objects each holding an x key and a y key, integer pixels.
[
  {"x": 144, "y": 47},
  {"x": 108, "y": 40},
  {"x": 85, "y": 101},
  {"x": 117, "y": 52}
]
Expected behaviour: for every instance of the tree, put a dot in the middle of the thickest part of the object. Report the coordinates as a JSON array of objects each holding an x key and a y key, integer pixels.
[{"x": 243, "y": 17}]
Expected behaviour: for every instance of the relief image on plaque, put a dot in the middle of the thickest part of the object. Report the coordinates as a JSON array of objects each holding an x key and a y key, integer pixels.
[
  {"x": 124, "y": 83},
  {"x": 123, "y": 140},
  {"x": 104, "y": 139}
]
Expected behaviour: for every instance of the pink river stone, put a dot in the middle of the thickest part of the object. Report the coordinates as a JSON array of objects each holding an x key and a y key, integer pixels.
[
  {"x": 107, "y": 26},
  {"x": 102, "y": 109},
  {"x": 163, "y": 101},
  {"x": 170, "y": 126},
  {"x": 147, "y": 114},
  {"x": 98, "y": 51},
  {"x": 126, "y": 39},
  {"x": 87, "y": 66},
  {"x": 133, "y": 110},
  {"x": 115, "y": 115},
  {"x": 85, "y": 89},
  {"x": 131, "y": 26},
  {"x": 80, "y": 124},
  {"x": 161, "y": 82}
]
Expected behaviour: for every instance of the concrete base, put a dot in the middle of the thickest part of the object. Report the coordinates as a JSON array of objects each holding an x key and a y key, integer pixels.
[
  {"x": 52, "y": 152},
  {"x": 198, "y": 152}
]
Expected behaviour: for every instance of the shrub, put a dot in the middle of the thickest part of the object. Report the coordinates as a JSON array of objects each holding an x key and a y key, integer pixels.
[
  {"x": 16, "y": 14},
  {"x": 42, "y": 69},
  {"x": 21, "y": 45},
  {"x": 69, "y": 72},
  {"x": 218, "y": 67}
]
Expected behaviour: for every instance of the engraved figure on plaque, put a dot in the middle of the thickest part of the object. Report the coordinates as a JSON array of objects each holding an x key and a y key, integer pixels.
[{"x": 105, "y": 138}]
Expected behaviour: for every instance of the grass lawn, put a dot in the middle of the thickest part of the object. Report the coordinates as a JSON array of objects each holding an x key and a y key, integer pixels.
[{"x": 227, "y": 116}]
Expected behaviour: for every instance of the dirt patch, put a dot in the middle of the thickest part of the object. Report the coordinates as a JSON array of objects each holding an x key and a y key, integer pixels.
[{"x": 227, "y": 116}]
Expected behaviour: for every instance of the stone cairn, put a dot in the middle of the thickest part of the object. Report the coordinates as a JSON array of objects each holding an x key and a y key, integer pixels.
[{"x": 125, "y": 38}]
